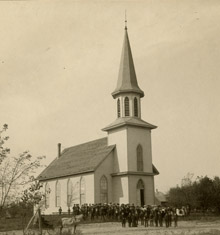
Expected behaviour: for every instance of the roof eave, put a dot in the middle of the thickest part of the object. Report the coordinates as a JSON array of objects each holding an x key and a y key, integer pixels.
[
  {"x": 128, "y": 124},
  {"x": 117, "y": 92},
  {"x": 156, "y": 172},
  {"x": 141, "y": 173},
  {"x": 64, "y": 176}
]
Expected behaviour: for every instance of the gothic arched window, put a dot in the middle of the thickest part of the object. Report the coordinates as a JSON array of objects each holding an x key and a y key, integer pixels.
[
  {"x": 119, "y": 108},
  {"x": 69, "y": 193},
  {"x": 135, "y": 107},
  {"x": 139, "y": 158},
  {"x": 127, "y": 111},
  {"x": 57, "y": 194},
  {"x": 47, "y": 195},
  {"x": 140, "y": 184},
  {"x": 82, "y": 190},
  {"x": 103, "y": 189}
]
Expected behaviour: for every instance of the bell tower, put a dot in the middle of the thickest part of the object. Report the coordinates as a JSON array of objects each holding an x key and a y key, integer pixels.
[
  {"x": 133, "y": 176},
  {"x": 127, "y": 92}
]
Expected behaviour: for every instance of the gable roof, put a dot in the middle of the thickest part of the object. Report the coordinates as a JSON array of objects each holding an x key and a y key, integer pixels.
[
  {"x": 161, "y": 197},
  {"x": 127, "y": 81},
  {"x": 132, "y": 121},
  {"x": 78, "y": 159}
]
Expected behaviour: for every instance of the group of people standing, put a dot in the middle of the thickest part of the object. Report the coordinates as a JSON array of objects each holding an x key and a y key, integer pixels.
[
  {"x": 149, "y": 216},
  {"x": 129, "y": 215}
]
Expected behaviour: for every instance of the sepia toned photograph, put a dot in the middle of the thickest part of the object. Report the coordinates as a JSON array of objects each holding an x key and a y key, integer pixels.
[{"x": 109, "y": 117}]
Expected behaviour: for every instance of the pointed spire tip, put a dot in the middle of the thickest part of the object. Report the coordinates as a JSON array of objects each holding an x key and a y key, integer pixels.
[{"x": 125, "y": 21}]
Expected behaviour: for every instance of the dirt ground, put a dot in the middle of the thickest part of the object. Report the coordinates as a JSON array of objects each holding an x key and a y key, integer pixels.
[{"x": 184, "y": 228}]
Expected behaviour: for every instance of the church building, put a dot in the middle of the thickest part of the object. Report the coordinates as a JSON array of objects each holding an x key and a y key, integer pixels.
[{"x": 114, "y": 169}]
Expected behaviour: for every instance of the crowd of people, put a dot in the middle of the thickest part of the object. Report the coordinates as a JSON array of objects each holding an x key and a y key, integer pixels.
[{"x": 129, "y": 215}]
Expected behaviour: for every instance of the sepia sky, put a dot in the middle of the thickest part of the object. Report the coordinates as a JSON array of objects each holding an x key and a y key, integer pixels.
[{"x": 59, "y": 63}]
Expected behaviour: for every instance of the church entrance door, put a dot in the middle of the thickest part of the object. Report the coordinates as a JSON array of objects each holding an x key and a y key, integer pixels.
[
  {"x": 142, "y": 196},
  {"x": 140, "y": 193}
]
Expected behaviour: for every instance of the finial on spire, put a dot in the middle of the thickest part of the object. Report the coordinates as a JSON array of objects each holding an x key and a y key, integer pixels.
[{"x": 125, "y": 20}]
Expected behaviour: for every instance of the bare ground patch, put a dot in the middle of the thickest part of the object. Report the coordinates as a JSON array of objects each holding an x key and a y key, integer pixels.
[{"x": 184, "y": 228}]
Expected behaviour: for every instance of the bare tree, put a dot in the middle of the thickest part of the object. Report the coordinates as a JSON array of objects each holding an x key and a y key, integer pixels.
[
  {"x": 34, "y": 195},
  {"x": 4, "y": 151},
  {"x": 15, "y": 172}
]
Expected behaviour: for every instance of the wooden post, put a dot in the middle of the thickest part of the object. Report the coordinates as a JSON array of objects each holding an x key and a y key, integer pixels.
[
  {"x": 40, "y": 222},
  {"x": 29, "y": 223}
]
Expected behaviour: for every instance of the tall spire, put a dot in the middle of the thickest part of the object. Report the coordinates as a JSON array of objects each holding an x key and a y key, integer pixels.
[
  {"x": 127, "y": 81},
  {"x": 125, "y": 20}
]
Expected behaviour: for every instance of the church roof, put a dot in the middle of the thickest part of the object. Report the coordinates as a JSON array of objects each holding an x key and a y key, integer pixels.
[
  {"x": 161, "y": 197},
  {"x": 78, "y": 159},
  {"x": 132, "y": 121},
  {"x": 155, "y": 171},
  {"x": 127, "y": 81}
]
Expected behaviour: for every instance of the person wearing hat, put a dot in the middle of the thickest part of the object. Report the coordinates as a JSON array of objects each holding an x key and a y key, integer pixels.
[{"x": 60, "y": 210}]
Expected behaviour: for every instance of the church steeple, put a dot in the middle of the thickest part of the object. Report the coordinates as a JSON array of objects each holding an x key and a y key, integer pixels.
[
  {"x": 133, "y": 171},
  {"x": 127, "y": 93},
  {"x": 127, "y": 81}
]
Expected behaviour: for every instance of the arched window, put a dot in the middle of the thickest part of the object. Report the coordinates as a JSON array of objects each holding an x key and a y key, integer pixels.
[
  {"x": 119, "y": 109},
  {"x": 127, "y": 112},
  {"x": 82, "y": 191},
  {"x": 69, "y": 193},
  {"x": 135, "y": 107},
  {"x": 103, "y": 189},
  {"x": 140, "y": 184},
  {"x": 76, "y": 193},
  {"x": 47, "y": 195},
  {"x": 57, "y": 194},
  {"x": 139, "y": 158}
]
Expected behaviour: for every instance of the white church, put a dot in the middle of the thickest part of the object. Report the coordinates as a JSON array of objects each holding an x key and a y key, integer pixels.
[{"x": 114, "y": 169}]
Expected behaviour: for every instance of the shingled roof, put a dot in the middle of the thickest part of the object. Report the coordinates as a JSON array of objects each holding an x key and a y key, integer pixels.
[{"x": 78, "y": 159}]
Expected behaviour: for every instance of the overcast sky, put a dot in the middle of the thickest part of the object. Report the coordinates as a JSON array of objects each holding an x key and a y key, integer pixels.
[{"x": 59, "y": 63}]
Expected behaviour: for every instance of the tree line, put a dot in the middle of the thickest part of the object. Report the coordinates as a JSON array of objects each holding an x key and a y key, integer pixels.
[{"x": 202, "y": 193}]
